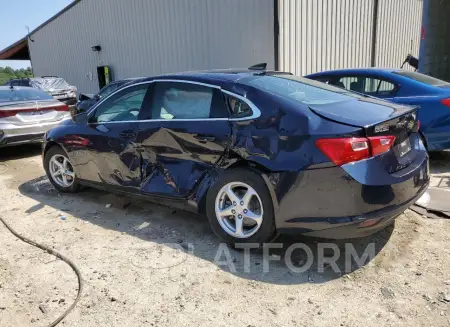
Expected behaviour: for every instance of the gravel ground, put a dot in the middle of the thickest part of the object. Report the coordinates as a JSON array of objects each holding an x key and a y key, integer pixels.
[{"x": 147, "y": 265}]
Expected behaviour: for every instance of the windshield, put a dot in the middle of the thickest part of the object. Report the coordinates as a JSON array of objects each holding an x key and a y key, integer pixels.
[
  {"x": 300, "y": 89},
  {"x": 108, "y": 89},
  {"x": 28, "y": 94},
  {"x": 422, "y": 78}
]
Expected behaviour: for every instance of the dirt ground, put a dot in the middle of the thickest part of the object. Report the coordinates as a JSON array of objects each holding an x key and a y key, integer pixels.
[{"x": 147, "y": 265}]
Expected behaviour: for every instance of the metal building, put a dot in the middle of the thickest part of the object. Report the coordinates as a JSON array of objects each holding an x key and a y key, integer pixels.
[{"x": 149, "y": 37}]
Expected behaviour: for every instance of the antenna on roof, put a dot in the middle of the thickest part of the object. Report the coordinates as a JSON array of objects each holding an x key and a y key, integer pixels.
[
  {"x": 29, "y": 36},
  {"x": 261, "y": 66}
]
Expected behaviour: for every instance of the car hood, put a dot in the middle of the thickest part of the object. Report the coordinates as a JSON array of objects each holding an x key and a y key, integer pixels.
[{"x": 360, "y": 112}]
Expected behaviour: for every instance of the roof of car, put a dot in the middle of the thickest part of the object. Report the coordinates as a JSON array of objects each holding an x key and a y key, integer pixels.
[
  {"x": 6, "y": 88},
  {"x": 215, "y": 77},
  {"x": 356, "y": 70}
]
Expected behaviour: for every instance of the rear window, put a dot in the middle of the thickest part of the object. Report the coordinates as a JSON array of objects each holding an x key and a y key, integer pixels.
[
  {"x": 23, "y": 95},
  {"x": 422, "y": 78},
  {"x": 300, "y": 89}
]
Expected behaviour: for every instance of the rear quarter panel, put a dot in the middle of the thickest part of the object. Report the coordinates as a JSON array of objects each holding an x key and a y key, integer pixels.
[{"x": 282, "y": 138}]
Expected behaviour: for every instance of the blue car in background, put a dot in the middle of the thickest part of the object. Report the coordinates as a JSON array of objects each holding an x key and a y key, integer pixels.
[
  {"x": 404, "y": 87},
  {"x": 257, "y": 151}
]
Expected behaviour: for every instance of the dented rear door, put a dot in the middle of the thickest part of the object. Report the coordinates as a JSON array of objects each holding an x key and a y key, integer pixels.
[{"x": 185, "y": 136}]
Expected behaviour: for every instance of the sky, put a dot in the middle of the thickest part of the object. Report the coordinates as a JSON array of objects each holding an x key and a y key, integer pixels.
[{"x": 15, "y": 15}]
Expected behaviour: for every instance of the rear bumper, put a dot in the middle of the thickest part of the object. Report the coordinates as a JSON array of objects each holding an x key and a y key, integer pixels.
[
  {"x": 360, "y": 226},
  {"x": 11, "y": 134},
  {"x": 330, "y": 203}
]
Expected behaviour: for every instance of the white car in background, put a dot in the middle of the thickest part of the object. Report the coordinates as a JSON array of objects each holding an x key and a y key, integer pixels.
[{"x": 27, "y": 113}]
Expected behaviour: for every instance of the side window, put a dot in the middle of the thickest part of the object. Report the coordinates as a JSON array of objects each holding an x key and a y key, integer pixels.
[
  {"x": 386, "y": 87},
  {"x": 367, "y": 85},
  {"x": 178, "y": 100},
  {"x": 352, "y": 83},
  {"x": 125, "y": 105},
  {"x": 237, "y": 107},
  {"x": 375, "y": 86}
]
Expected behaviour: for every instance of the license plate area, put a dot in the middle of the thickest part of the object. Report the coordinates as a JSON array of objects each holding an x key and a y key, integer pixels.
[{"x": 404, "y": 147}]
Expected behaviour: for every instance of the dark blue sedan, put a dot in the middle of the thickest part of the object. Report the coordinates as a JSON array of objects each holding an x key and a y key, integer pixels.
[
  {"x": 432, "y": 95},
  {"x": 257, "y": 151}
]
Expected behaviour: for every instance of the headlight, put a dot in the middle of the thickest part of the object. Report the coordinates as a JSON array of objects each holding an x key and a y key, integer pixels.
[{"x": 72, "y": 94}]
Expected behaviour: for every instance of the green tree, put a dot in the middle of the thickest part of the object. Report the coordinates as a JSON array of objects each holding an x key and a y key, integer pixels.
[{"x": 7, "y": 73}]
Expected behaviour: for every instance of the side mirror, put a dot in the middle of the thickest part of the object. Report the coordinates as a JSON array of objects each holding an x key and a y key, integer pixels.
[
  {"x": 80, "y": 118},
  {"x": 79, "y": 108},
  {"x": 97, "y": 97}
]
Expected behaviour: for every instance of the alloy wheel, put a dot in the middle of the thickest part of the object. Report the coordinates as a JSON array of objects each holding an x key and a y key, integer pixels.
[
  {"x": 61, "y": 170},
  {"x": 239, "y": 209}
]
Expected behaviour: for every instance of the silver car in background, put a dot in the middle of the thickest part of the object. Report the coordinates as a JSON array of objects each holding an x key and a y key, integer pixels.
[{"x": 26, "y": 114}]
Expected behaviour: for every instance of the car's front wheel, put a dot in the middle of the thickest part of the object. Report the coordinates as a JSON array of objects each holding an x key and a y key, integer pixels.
[
  {"x": 60, "y": 171},
  {"x": 240, "y": 209}
]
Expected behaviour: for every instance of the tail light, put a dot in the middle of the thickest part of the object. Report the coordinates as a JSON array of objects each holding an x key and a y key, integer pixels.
[
  {"x": 344, "y": 150},
  {"x": 446, "y": 102},
  {"x": 11, "y": 113},
  {"x": 63, "y": 107}
]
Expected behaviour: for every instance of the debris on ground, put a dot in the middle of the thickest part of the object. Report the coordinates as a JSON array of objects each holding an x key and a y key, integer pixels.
[{"x": 387, "y": 293}]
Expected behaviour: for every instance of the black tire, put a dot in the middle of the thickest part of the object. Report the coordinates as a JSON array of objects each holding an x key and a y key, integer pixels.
[
  {"x": 267, "y": 230},
  {"x": 56, "y": 150}
]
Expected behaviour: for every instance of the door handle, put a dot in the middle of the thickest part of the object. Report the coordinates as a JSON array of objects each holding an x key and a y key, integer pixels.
[
  {"x": 205, "y": 138},
  {"x": 127, "y": 135}
]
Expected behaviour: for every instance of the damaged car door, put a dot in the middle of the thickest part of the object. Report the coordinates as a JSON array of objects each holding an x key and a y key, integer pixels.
[
  {"x": 185, "y": 134},
  {"x": 111, "y": 156}
]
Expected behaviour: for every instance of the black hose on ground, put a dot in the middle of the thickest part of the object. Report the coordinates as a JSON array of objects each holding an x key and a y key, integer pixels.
[{"x": 58, "y": 255}]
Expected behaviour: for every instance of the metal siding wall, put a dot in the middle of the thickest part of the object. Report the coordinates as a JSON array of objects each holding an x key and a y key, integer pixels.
[
  {"x": 398, "y": 32},
  {"x": 145, "y": 38},
  {"x": 318, "y": 35}
]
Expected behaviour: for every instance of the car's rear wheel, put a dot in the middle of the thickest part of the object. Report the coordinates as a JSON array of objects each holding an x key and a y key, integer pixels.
[
  {"x": 60, "y": 171},
  {"x": 240, "y": 208}
]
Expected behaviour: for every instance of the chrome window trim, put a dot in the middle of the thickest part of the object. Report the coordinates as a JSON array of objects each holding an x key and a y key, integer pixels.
[{"x": 255, "y": 111}]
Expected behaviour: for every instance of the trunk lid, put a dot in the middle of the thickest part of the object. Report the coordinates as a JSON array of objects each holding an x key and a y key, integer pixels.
[
  {"x": 361, "y": 112},
  {"x": 379, "y": 118},
  {"x": 33, "y": 112}
]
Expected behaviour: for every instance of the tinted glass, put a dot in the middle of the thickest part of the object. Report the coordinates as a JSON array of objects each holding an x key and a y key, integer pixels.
[
  {"x": 28, "y": 94},
  {"x": 422, "y": 78},
  {"x": 368, "y": 85},
  {"x": 237, "y": 107},
  {"x": 108, "y": 89},
  {"x": 125, "y": 105},
  {"x": 173, "y": 100},
  {"x": 300, "y": 89}
]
